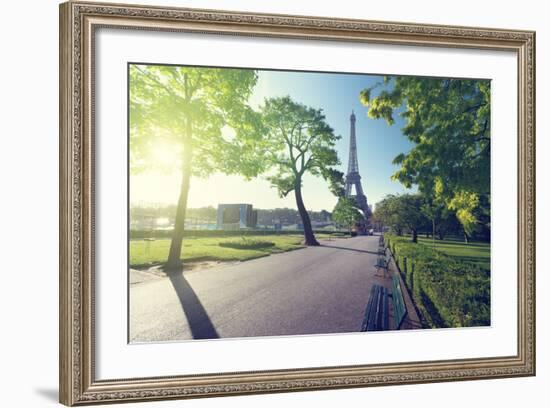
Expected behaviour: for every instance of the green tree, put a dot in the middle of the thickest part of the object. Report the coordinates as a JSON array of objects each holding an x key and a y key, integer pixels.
[
  {"x": 409, "y": 211},
  {"x": 448, "y": 120},
  {"x": 346, "y": 213},
  {"x": 430, "y": 212},
  {"x": 385, "y": 214},
  {"x": 441, "y": 217},
  {"x": 402, "y": 212},
  {"x": 297, "y": 140},
  {"x": 464, "y": 205},
  {"x": 382, "y": 216},
  {"x": 190, "y": 110},
  {"x": 446, "y": 222}
]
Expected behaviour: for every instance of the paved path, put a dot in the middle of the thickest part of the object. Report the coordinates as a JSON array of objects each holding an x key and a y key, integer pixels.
[{"x": 313, "y": 290}]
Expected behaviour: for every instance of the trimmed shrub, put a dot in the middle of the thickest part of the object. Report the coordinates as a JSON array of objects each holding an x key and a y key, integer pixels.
[{"x": 447, "y": 292}]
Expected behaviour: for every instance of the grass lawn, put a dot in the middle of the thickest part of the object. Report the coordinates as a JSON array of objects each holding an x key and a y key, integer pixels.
[
  {"x": 475, "y": 252},
  {"x": 208, "y": 249}
]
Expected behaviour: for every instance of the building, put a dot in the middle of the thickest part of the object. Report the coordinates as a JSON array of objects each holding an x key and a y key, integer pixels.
[{"x": 236, "y": 216}]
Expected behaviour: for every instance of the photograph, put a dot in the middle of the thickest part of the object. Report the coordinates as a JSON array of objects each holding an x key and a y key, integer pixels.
[{"x": 267, "y": 202}]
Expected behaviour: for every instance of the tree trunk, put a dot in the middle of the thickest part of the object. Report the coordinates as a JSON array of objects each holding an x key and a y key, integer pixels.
[
  {"x": 309, "y": 237},
  {"x": 466, "y": 237},
  {"x": 415, "y": 236},
  {"x": 174, "y": 256}
]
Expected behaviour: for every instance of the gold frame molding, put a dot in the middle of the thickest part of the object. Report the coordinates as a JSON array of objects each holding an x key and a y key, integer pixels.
[{"x": 78, "y": 22}]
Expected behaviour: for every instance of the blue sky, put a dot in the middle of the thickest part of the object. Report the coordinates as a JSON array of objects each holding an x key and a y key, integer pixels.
[{"x": 337, "y": 94}]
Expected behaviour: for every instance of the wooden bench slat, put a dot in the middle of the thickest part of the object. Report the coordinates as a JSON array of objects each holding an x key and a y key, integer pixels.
[
  {"x": 374, "y": 311},
  {"x": 365, "y": 324},
  {"x": 376, "y": 314}
]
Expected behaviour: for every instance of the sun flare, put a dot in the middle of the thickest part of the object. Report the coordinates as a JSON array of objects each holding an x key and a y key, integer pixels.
[{"x": 167, "y": 154}]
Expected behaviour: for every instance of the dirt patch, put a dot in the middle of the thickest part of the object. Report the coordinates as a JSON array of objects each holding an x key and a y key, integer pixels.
[{"x": 145, "y": 274}]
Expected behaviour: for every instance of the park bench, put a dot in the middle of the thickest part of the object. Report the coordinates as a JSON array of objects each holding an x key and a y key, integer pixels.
[
  {"x": 383, "y": 262},
  {"x": 399, "y": 308},
  {"x": 381, "y": 245},
  {"x": 376, "y": 314}
]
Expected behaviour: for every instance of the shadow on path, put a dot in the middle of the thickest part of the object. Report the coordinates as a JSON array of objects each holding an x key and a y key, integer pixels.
[
  {"x": 348, "y": 249},
  {"x": 199, "y": 322}
]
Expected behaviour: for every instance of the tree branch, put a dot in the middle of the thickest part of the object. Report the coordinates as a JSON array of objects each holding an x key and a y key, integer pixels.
[
  {"x": 474, "y": 107},
  {"x": 155, "y": 80}
]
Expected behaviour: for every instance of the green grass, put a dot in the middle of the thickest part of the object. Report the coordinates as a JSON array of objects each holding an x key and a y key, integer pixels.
[
  {"x": 247, "y": 243},
  {"x": 144, "y": 252},
  {"x": 478, "y": 253}
]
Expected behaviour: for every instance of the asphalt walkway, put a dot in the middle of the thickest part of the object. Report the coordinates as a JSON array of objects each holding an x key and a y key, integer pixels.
[{"x": 313, "y": 290}]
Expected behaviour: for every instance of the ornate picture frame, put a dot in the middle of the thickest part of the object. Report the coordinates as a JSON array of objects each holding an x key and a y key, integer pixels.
[{"x": 79, "y": 22}]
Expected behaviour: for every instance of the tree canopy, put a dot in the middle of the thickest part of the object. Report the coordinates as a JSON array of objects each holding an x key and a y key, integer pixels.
[
  {"x": 197, "y": 108},
  {"x": 196, "y": 113},
  {"x": 346, "y": 213},
  {"x": 298, "y": 140},
  {"x": 402, "y": 213},
  {"x": 448, "y": 121}
]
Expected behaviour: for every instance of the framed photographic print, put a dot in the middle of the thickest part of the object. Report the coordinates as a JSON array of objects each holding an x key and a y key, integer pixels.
[{"x": 260, "y": 203}]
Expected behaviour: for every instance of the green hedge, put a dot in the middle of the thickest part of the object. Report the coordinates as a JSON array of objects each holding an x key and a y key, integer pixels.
[{"x": 448, "y": 292}]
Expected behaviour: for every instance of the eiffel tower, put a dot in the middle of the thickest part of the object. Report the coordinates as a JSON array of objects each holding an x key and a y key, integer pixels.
[{"x": 353, "y": 178}]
